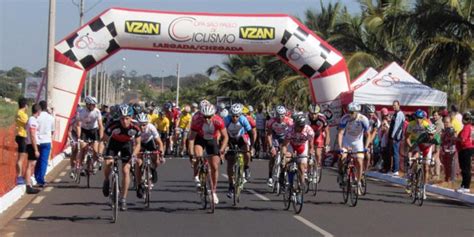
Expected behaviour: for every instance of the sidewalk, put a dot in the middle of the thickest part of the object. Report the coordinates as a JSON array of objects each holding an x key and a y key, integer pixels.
[
  {"x": 18, "y": 191},
  {"x": 468, "y": 198}
]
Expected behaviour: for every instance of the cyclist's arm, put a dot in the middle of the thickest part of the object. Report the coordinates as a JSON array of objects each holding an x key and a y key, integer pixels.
[
  {"x": 340, "y": 134},
  {"x": 78, "y": 129},
  {"x": 328, "y": 138},
  {"x": 224, "y": 139},
  {"x": 191, "y": 138},
  {"x": 101, "y": 129},
  {"x": 284, "y": 148},
  {"x": 137, "y": 147}
]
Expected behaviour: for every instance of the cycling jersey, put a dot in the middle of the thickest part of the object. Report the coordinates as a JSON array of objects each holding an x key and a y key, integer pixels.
[
  {"x": 238, "y": 129},
  {"x": 208, "y": 131},
  {"x": 152, "y": 118},
  {"x": 184, "y": 121},
  {"x": 424, "y": 143},
  {"x": 299, "y": 140},
  {"x": 279, "y": 129},
  {"x": 414, "y": 130},
  {"x": 354, "y": 130},
  {"x": 172, "y": 116},
  {"x": 251, "y": 121},
  {"x": 120, "y": 134},
  {"x": 162, "y": 124},
  {"x": 374, "y": 122},
  {"x": 319, "y": 126},
  {"x": 89, "y": 119},
  {"x": 149, "y": 133}
]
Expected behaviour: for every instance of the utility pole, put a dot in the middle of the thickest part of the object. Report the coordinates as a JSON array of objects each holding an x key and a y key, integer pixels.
[
  {"x": 81, "y": 21},
  {"x": 50, "y": 59},
  {"x": 96, "y": 92},
  {"x": 177, "y": 84}
]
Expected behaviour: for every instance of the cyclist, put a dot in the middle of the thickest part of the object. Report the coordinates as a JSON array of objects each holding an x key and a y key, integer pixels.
[
  {"x": 173, "y": 116},
  {"x": 152, "y": 114},
  {"x": 277, "y": 127},
  {"x": 162, "y": 124},
  {"x": 427, "y": 143},
  {"x": 123, "y": 137},
  {"x": 374, "y": 125},
  {"x": 239, "y": 129},
  {"x": 89, "y": 126},
  {"x": 184, "y": 125},
  {"x": 352, "y": 129},
  {"x": 149, "y": 141},
  {"x": 137, "y": 109},
  {"x": 223, "y": 113},
  {"x": 204, "y": 135},
  {"x": 197, "y": 116},
  {"x": 247, "y": 112},
  {"x": 260, "y": 120},
  {"x": 194, "y": 108},
  {"x": 320, "y": 126},
  {"x": 299, "y": 141},
  {"x": 73, "y": 139}
]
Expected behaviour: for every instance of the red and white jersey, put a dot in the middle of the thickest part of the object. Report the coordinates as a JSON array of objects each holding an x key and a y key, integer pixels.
[
  {"x": 206, "y": 130},
  {"x": 299, "y": 140},
  {"x": 279, "y": 129}
]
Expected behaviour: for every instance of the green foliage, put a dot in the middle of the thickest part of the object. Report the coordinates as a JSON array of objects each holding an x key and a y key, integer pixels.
[{"x": 7, "y": 113}]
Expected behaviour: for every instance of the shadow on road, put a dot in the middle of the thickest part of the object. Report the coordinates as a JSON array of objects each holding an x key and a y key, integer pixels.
[{"x": 69, "y": 218}]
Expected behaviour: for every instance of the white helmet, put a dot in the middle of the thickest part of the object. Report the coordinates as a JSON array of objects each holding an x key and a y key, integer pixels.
[
  {"x": 222, "y": 106},
  {"x": 280, "y": 110},
  {"x": 208, "y": 110},
  {"x": 314, "y": 108},
  {"x": 354, "y": 107},
  {"x": 90, "y": 100},
  {"x": 194, "y": 105},
  {"x": 142, "y": 118},
  {"x": 236, "y": 109},
  {"x": 223, "y": 113},
  {"x": 203, "y": 103},
  {"x": 250, "y": 108}
]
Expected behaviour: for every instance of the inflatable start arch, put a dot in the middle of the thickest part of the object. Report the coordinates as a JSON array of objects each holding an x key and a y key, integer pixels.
[{"x": 118, "y": 28}]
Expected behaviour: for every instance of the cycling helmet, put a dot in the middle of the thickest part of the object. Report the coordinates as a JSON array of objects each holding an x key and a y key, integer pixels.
[
  {"x": 314, "y": 109},
  {"x": 250, "y": 109},
  {"x": 300, "y": 120},
  {"x": 280, "y": 110},
  {"x": 203, "y": 103},
  {"x": 222, "y": 106},
  {"x": 173, "y": 104},
  {"x": 187, "y": 109},
  {"x": 431, "y": 129},
  {"x": 158, "y": 110},
  {"x": 354, "y": 107},
  {"x": 137, "y": 108},
  {"x": 245, "y": 110},
  {"x": 167, "y": 106},
  {"x": 236, "y": 109},
  {"x": 90, "y": 100},
  {"x": 194, "y": 105},
  {"x": 208, "y": 110},
  {"x": 142, "y": 118},
  {"x": 419, "y": 114},
  {"x": 125, "y": 110},
  {"x": 370, "y": 108},
  {"x": 223, "y": 113}
]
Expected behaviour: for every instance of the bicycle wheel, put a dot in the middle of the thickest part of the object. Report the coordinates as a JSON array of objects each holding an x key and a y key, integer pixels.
[
  {"x": 346, "y": 187},
  {"x": 319, "y": 170},
  {"x": 420, "y": 187},
  {"x": 88, "y": 170},
  {"x": 237, "y": 181},
  {"x": 211, "y": 196},
  {"x": 309, "y": 179},
  {"x": 147, "y": 186},
  {"x": 204, "y": 193},
  {"x": 276, "y": 176},
  {"x": 298, "y": 193},
  {"x": 288, "y": 189},
  {"x": 115, "y": 197},
  {"x": 413, "y": 188},
  {"x": 354, "y": 194},
  {"x": 77, "y": 180},
  {"x": 363, "y": 183}
]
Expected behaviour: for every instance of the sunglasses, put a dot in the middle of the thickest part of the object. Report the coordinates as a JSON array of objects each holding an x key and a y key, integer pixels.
[
  {"x": 235, "y": 116},
  {"x": 143, "y": 124},
  {"x": 207, "y": 117}
]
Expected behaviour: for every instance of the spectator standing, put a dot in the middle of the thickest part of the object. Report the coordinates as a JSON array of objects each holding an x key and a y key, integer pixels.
[
  {"x": 438, "y": 122},
  {"x": 20, "y": 139},
  {"x": 383, "y": 138},
  {"x": 45, "y": 135},
  {"x": 395, "y": 136},
  {"x": 456, "y": 119},
  {"x": 32, "y": 147},
  {"x": 448, "y": 141},
  {"x": 466, "y": 149},
  {"x": 260, "y": 119}
]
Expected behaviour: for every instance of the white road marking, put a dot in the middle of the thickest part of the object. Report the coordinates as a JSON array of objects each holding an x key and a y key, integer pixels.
[
  {"x": 62, "y": 174},
  {"x": 57, "y": 180},
  {"x": 48, "y": 189},
  {"x": 26, "y": 215},
  {"x": 313, "y": 226},
  {"x": 258, "y": 195},
  {"x": 38, "y": 199}
]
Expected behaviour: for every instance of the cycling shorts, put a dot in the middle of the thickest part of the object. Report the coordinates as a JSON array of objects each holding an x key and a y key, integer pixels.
[
  {"x": 149, "y": 146},
  {"x": 90, "y": 134},
  {"x": 124, "y": 148},
  {"x": 211, "y": 146}
]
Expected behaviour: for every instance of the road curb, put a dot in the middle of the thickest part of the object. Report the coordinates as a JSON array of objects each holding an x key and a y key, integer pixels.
[
  {"x": 468, "y": 198},
  {"x": 18, "y": 191}
]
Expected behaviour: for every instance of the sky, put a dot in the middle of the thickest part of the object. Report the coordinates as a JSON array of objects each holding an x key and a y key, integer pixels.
[{"x": 24, "y": 30}]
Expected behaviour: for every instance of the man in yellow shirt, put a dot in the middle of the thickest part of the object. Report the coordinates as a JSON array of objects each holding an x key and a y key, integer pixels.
[
  {"x": 162, "y": 124},
  {"x": 152, "y": 115},
  {"x": 21, "y": 120},
  {"x": 184, "y": 125}
]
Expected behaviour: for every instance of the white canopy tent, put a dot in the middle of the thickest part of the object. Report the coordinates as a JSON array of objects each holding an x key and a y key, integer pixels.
[{"x": 394, "y": 83}]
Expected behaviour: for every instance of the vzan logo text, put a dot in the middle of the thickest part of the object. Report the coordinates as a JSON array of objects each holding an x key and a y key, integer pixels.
[
  {"x": 257, "y": 33},
  {"x": 142, "y": 27}
]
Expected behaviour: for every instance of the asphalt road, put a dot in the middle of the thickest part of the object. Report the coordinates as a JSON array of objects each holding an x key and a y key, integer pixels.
[{"x": 65, "y": 209}]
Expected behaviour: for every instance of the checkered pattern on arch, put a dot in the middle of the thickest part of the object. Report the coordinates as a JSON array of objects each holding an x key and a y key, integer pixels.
[{"x": 100, "y": 42}]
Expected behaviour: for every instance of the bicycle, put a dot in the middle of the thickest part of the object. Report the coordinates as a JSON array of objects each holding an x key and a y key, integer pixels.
[
  {"x": 349, "y": 179},
  {"x": 146, "y": 178},
  {"x": 314, "y": 173},
  {"x": 415, "y": 181},
  {"x": 205, "y": 184},
  {"x": 294, "y": 191},
  {"x": 276, "y": 173},
  {"x": 88, "y": 161},
  {"x": 177, "y": 145},
  {"x": 238, "y": 179},
  {"x": 115, "y": 189}
]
